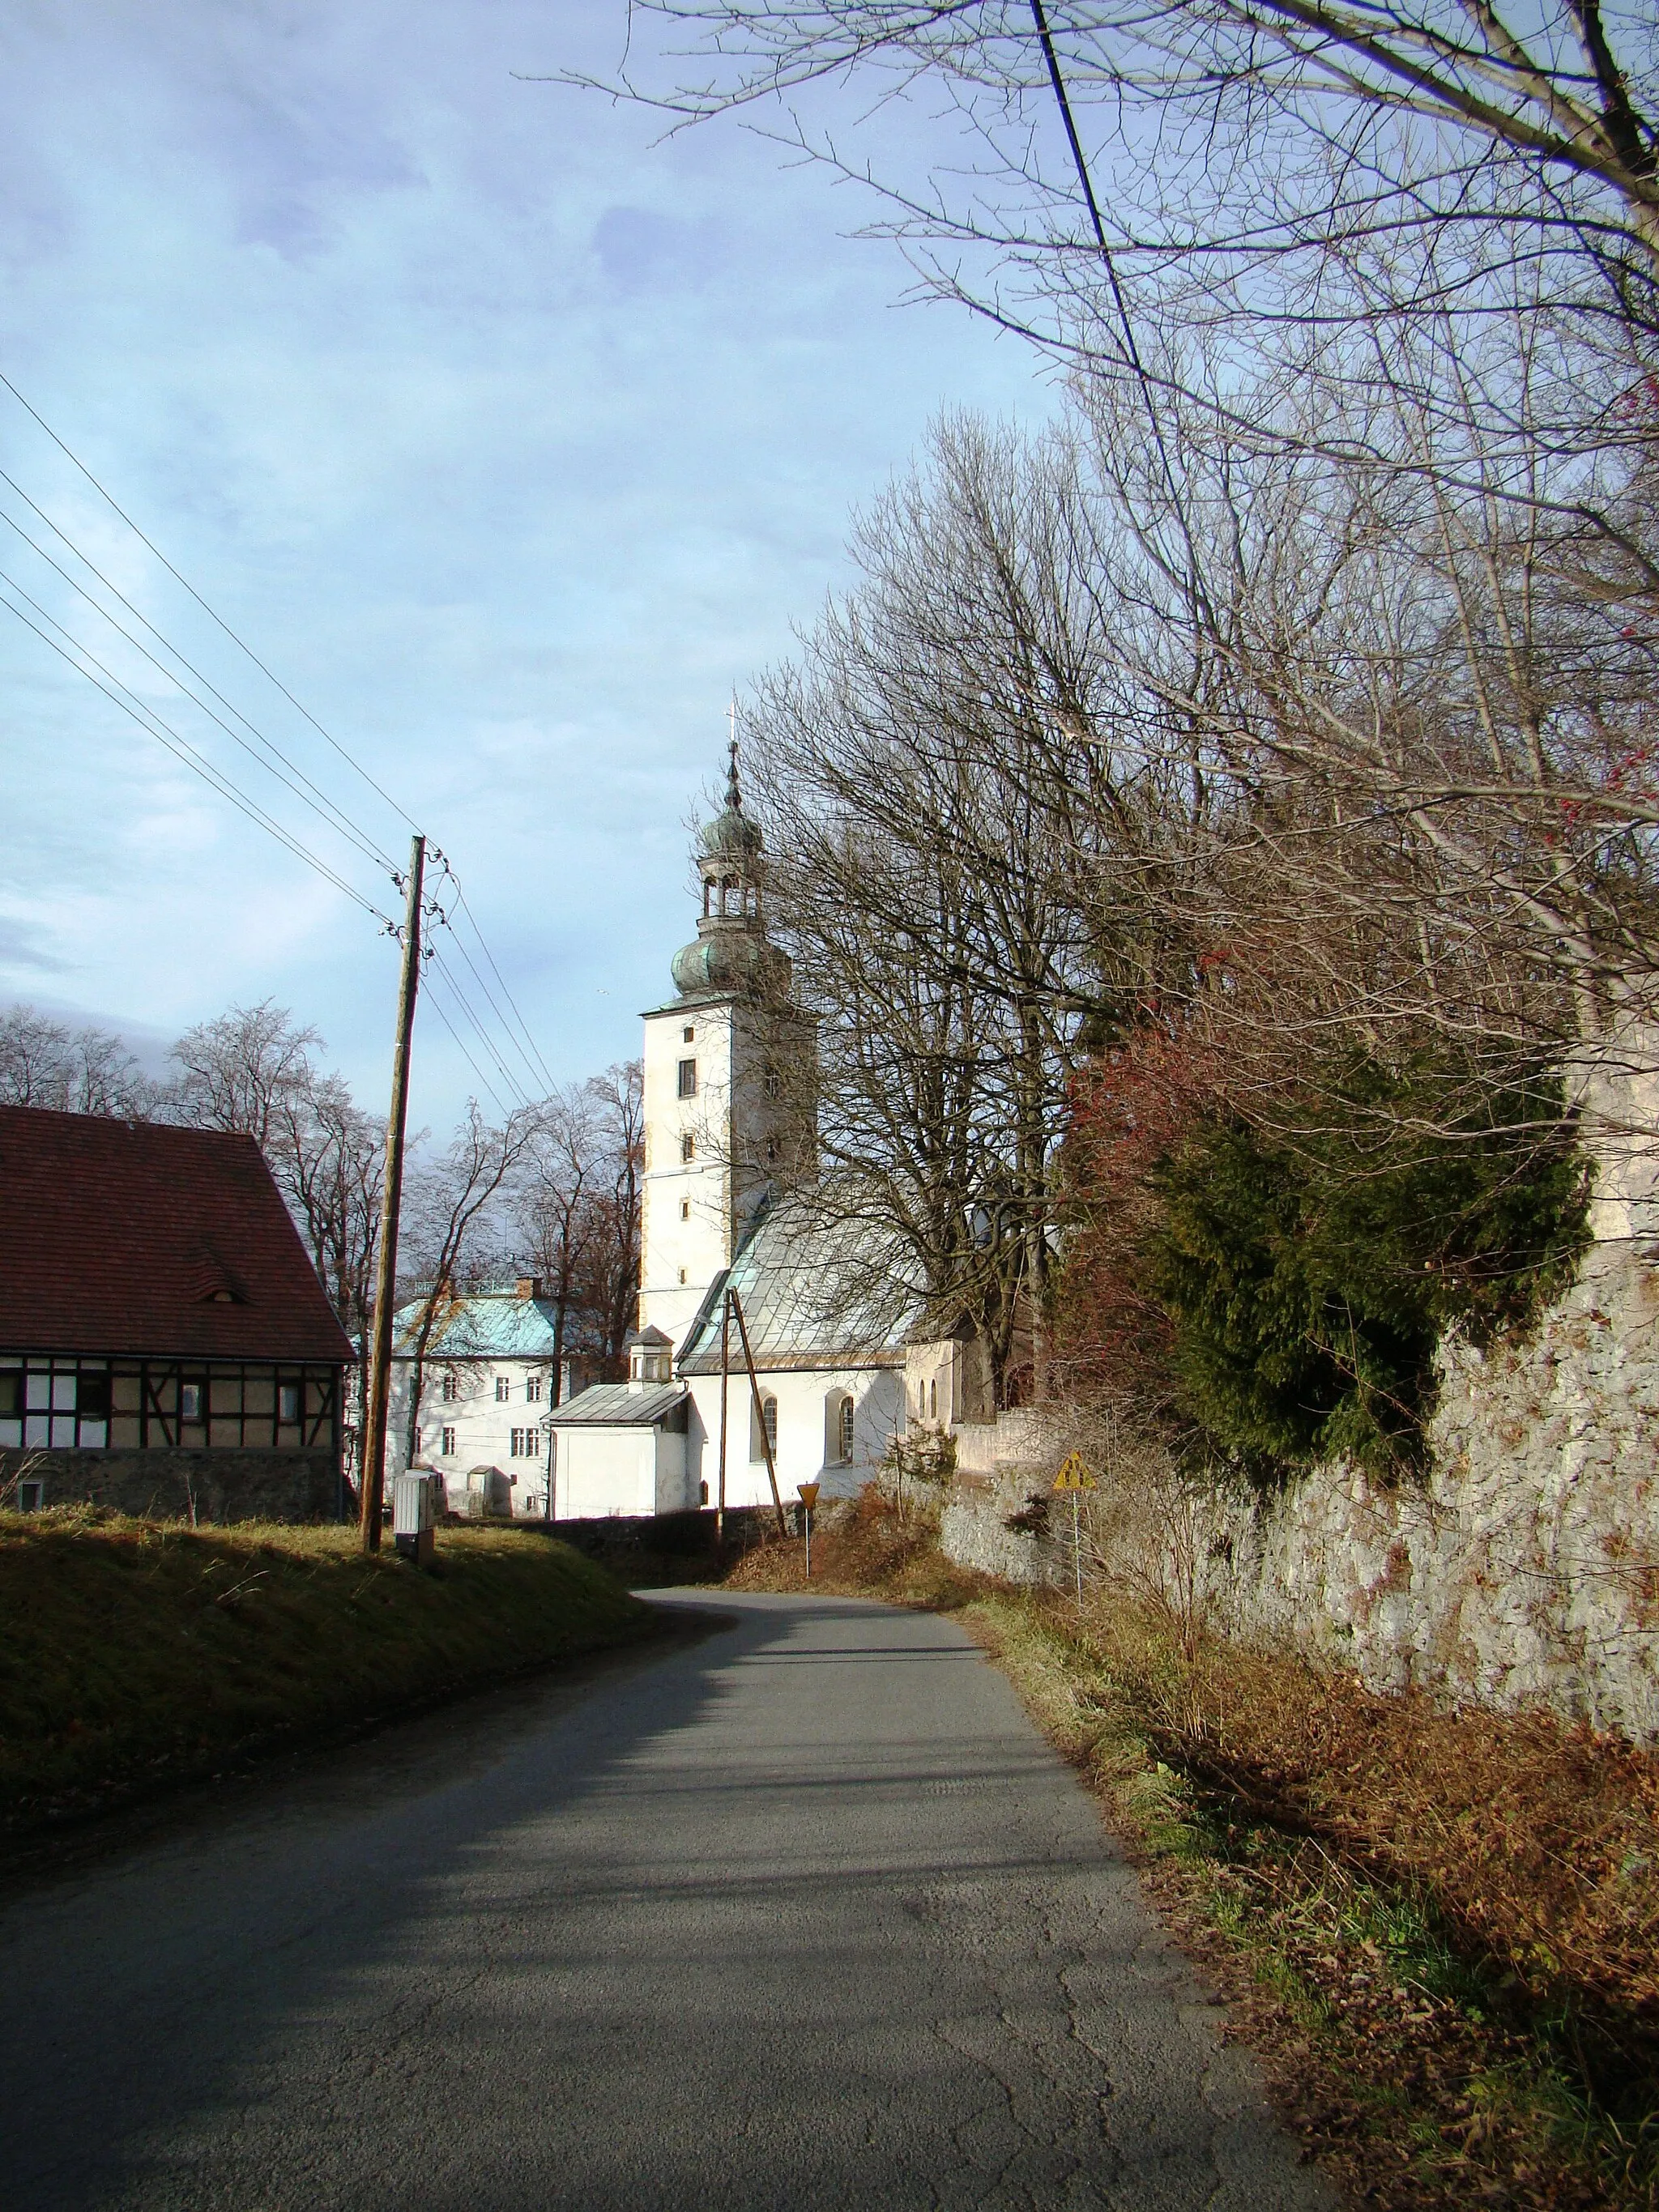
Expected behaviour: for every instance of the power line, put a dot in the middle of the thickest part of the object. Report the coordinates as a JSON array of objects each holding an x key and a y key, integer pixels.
[
  {"x": 538, "y": 1075},
  {"x": 148, "y": 720},
  {"x": 297, "y": 780},
  {"x": 436, "y": 1005},
  {"x": 522, "y": 1097},
  {"x": 213, "y": 616},
  {"x": 320, "y": 805},
  {"x": 546, "y": 1072}
]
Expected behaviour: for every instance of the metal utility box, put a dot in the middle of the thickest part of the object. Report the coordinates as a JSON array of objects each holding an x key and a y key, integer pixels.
[{"x": 412, "y": 1509}]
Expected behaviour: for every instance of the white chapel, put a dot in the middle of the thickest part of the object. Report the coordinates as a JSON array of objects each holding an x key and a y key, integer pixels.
[{"x": 826, "y": 1331}]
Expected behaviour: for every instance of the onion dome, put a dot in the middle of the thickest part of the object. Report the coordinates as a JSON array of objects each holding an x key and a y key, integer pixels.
[{"x": 728, "y": 962}]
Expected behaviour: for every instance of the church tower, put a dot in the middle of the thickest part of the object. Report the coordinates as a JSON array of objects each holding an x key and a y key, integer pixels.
[{"x": 716, "y": 1091}]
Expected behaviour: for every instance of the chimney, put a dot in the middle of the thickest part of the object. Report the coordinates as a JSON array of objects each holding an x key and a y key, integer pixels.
[{"x": 528, "y": 1286}]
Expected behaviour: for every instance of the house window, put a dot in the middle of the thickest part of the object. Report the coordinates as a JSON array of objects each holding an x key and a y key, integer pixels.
[
  {"x": 524, "y": 1443},
  {"x": 532, "y": 1389},
  {"x": 288, "y": 1401},
  {"x": 771, "y": 1148},
  {"x": 446, "y": 1443},
  {"x": 764, "y": 1432},
  {"x": 503, "y": 1389},
  {"x": 31, "y": 1496},
  {"x": 688, "y": 1147},
  {"x": 451, "y": 1388},
  {"x": 689, "y": 1034},
  {"x": 771, "y": 1083},
  {"x": 685, "y": 1209},
  {"x": 191, "y": 1396},
  {"x": 682, "y": 1274},
  {"x": 687, "y": 1079}
]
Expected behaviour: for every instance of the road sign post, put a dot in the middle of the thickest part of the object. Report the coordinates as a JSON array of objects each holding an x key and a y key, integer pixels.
[
  {"x": 1076, "y": 1476},
  {"x": 809, "y": 1498}
]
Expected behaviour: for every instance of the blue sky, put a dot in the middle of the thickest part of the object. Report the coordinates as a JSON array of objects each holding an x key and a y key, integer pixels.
[{"x": 510, "y": 439}]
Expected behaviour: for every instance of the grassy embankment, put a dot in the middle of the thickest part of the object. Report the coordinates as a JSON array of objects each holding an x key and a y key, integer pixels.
[
  {"x": 134, "y": 1652},
  {"x": 1440, "y": 1930}
]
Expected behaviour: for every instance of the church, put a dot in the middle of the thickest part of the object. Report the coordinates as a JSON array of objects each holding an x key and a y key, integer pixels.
[{"x": 728, "y": 1208}]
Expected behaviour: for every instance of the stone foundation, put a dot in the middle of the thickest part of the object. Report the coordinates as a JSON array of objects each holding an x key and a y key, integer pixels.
[{"x": 202, "y": 1486}]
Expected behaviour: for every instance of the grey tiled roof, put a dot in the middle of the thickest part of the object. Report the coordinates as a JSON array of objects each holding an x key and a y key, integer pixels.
[
  {"x": 619, "y": 1406},
  {"x": 816, "y": 1292}
]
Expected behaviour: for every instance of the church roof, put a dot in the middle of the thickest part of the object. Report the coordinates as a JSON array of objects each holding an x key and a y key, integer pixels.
[{"x": 817, "y": 1290}]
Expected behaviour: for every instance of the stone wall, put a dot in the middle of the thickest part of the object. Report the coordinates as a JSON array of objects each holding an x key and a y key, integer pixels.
[
  {"x": 1523, "y": 1570},
  {"x": 202, "y": 1486}
]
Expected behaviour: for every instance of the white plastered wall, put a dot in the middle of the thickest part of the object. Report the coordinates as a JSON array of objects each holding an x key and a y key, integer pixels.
[
  {"x": 807, "y": 1402},
  {"x": 483, "y": 1424}
]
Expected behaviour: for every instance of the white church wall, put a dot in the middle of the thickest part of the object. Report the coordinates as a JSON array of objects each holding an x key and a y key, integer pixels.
[{"x": 806, "y": 1443}]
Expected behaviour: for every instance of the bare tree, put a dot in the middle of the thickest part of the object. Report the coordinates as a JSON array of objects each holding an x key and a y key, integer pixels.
[
  {"x": 84, "y": 1071},
  {"x": 579, "y": 1222},
  {"x": 456, "y": 1210}
]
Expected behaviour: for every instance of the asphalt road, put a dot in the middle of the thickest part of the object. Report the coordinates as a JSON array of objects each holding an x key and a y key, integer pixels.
[{"x": 801, "y": 1913}]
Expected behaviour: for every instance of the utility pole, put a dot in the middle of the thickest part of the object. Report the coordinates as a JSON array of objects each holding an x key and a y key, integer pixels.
[
  {"x": 379, "y": 1355},
  {"x": 725, "y": 1378}
]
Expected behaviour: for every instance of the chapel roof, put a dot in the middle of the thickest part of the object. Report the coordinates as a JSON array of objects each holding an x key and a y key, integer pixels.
[{"x": 619, "y": 1406}]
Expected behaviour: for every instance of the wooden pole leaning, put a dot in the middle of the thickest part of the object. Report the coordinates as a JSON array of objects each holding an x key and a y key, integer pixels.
[
  {"x": 760, "y": 1414},
  {"x": 386, "y": 1279},
  {"x": 725, "y": 1377}
]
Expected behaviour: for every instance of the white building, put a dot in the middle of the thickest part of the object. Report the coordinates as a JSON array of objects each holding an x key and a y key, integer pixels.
[
  {"x": 826, "y": 1327},
  {"x": 487, "y": 1379}
]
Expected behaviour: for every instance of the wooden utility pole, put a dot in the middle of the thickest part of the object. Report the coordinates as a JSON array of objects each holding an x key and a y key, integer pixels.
[
  {"x": 726, "y": 1377},
  {"x": 386, "y": 1280},
  {"x": 760, "y": 1411}
]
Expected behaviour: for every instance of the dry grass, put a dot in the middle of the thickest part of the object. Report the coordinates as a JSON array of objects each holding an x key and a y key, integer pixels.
[
  {"x": 137, "y": 1652},
  {"x": 1440, "y": 1930},
  {"x": 865, "y": 1549}
]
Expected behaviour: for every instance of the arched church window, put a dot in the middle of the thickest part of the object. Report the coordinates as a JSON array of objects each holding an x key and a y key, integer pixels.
[
  {"x": 759, "y": 1439},
  {"x": 838, "y": 1428}
]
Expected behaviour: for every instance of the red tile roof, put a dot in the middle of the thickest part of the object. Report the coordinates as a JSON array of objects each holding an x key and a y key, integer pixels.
[{"x": 124, "y": 1237}]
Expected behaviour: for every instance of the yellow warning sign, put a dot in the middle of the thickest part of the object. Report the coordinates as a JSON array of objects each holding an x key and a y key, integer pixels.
[{"x": 1075, "y": 1474}]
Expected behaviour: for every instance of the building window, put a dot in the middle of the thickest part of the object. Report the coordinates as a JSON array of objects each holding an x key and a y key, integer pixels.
[
  {"x": 189, "y": 1402},
  {"x": 771, "y": 1148},
  {"x": 288, "y": 1401},
  {"x": 524, "y": 1443},
  {"x": 446, "y": 1443},
  {"x": 31, "y": 1495},
  {"x": 845, "y": 1438},
  {"x": 771, "y": 1083},
  {"x": 689, "y": 1034},
  {"x": 503, "y": 1389},
  {"x": 685, "y": 1209},
  {"x": 682, "y": 1274},
  {"x": 688, "y": 1147},
  {"x": 451, "y": 1388},
  {"x": 532, "y": 1389},
  {"x": 764, "y": 1432},
  {"x": 933, "y": 1398},
  {"x": 687, "y": 1079}
]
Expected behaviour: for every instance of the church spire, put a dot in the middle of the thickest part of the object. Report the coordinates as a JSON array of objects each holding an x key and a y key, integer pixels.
[{"x": 733, "y": 796}]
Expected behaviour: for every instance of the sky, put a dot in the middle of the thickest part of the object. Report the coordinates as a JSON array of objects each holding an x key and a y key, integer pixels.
[{"x": 509, "y": 436}]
